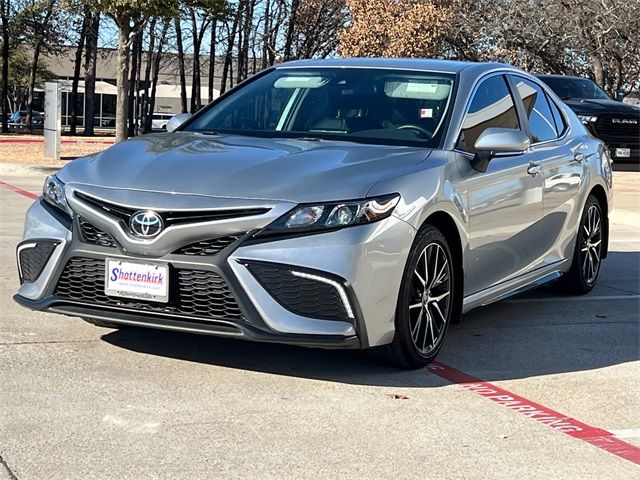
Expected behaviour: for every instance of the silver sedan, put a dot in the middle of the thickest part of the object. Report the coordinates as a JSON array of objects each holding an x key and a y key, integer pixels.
[{"x": 357, "y": 203}]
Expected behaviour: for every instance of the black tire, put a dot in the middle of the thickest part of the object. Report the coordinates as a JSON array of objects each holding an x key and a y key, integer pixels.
[
  {"x": 403, "y": 351},
  {"x": 578, "y": 281},
  {"x": 102, "y": 323}
]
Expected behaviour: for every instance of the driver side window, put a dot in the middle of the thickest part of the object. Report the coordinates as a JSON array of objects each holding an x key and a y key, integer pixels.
[{"x": 492, "y": 106}]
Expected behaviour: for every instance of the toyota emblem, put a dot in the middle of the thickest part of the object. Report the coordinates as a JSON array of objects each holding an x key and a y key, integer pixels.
[{"x": 146, "y": 224}]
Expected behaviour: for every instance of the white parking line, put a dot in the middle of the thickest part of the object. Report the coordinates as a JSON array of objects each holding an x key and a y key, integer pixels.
[
  {"x": 592, "y": 298},
  {"x": 626, "y": 433}
]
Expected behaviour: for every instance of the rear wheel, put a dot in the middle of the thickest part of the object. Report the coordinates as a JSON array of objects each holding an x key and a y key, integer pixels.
[
  {"x": 426, "y": 303},
  {"x": 102, "y": 323},
  {"x": 587, "y": 257}
]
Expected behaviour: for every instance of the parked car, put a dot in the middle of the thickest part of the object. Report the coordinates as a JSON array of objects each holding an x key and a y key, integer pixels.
[
  {"x": 159, "y": 120},
  {"x": 614, "y": 122},
  {"x": 18, "y": 119},
  {"x": 344, "y": 203}
]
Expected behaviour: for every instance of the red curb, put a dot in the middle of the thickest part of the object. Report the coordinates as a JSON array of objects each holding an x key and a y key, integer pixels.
[
  {"x": 569, "y": 426},
  {"x": 65, "y": 142},
  {"x": 18, "y": 190}
]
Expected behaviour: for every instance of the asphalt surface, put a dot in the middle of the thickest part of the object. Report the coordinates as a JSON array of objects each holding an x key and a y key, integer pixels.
[{"x": 82, "y": 402}]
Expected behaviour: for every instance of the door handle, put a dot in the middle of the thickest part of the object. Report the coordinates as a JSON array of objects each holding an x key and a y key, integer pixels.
[
  {"x": 579, "y": 157},
  {"x": 534, "y": 168}
]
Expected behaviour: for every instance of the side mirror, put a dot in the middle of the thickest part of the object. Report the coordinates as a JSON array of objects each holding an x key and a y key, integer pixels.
[
  {"x": 177, "y": 120},
  {"x": 495, "y": 141}
]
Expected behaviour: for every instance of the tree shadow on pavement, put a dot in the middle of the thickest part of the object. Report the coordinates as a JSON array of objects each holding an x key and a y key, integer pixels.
[{"x": 538, "y": 333}]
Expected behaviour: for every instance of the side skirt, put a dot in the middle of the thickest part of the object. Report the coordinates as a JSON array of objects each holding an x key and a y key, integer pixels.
[{"x": 515, "y": 286}]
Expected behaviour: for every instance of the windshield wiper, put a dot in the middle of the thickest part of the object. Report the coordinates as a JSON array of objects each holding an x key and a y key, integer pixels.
[
  {"x": 207, "y": 132},
  {"x": 308, "y": 139}
]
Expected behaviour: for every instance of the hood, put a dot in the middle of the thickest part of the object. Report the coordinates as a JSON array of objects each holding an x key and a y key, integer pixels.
[
  {"x": 596, "y": 107},
  {"x": 244, "y": 167}
]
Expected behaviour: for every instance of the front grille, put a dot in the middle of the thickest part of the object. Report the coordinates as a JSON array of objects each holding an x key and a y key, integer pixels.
[
  {"x": 178, "y": 217},
  {"x": 33, "y": 260},
  {"x": 209, "y": 247},
  {"x": 618, "y": 134},
  {"x": 95, "y": 235},
  {"x": 302, "y": 296},
  {"x": 193, "y": 293}
]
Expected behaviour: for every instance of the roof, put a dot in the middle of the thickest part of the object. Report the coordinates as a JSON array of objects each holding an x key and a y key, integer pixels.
[
  {"x": 445, "y": 66},
  {"x": 574, "y": 77}
]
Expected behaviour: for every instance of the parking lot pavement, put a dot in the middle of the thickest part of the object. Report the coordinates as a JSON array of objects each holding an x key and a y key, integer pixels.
[{"x": 77, "y": 401}]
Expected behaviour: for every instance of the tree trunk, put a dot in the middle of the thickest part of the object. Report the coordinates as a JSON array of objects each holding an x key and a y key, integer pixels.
[
  {"x": 90, "y": 63},
  {"x": 32, "y": 83},
  {"x": 76, "y": 69},
  {"x": 246, "y": 34},
  {"x": 122, "y": 78},
  {"x": 133, "y": 81},
  {"x": 4, "y": 94},
  {"x": 147, "y": 76},
  {"x": 242, "y": 5},
  {"x": 288, "y": 43},
  {"x": 195, "y": 66},
  {"x": 183, "y": 80},
  {"x": 156, "y": 71},
  {"x": 266, "y": 29},
  {"x": 212, "y": 60},
  {"x": 598, "y": 70},
  {"x": 228, "y": 58}
]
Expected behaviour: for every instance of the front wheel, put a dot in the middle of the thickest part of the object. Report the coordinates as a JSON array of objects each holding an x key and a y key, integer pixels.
[{"x": 426, "y": 303}]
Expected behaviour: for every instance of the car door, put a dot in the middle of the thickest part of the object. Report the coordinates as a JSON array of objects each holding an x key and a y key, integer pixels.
[
  {"x": 505, "y": 202},
  {"x": 562, "y": 158}
]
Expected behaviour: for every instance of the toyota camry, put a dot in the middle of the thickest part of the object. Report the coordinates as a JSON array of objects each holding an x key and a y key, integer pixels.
[{"x": 347, "y": 203}]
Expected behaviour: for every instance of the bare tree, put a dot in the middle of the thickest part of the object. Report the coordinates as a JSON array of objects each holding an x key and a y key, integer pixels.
[
  {"x": 90, "y": 64},
  {"x": 5, "y": 14}
]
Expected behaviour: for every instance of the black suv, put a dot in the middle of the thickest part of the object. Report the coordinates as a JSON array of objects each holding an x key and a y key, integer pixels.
[{"x": 616, "y": 123}]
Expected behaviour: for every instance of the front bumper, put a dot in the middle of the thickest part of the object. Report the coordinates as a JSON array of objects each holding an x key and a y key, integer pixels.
[{"x": 364, "y": 264}]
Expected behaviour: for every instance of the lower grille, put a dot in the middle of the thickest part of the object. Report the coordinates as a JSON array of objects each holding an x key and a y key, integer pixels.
[
  {"x": 33, "y": 260},
  {"x": 193, "y": 293},
  {"x": 302, "y": 296},
  {"x": 209, "y": 247},
  {"x": 94, "y": 235}
]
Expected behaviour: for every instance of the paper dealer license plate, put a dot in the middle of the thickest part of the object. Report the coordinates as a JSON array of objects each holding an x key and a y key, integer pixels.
[
  {"x": 144, "y": 281},
  {"x": 623, "y": 152}
]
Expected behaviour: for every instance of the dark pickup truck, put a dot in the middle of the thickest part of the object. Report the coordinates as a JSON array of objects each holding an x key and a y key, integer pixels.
[{"x": 614, "y": 122}]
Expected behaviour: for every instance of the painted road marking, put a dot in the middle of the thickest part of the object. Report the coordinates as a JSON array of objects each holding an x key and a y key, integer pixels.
[
  {"x": 562, "y": 423},
  {"x": 626, "y": 433},
  {"x": 598, "y": 437},
  {"x": 40, "y": 140},
  {"x": 18, "y": 190}
]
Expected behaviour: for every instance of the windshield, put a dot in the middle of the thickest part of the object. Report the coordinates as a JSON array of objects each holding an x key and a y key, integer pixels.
[
  {"x": 362, "y": 105},
  {"x": 576, "y": 88}
]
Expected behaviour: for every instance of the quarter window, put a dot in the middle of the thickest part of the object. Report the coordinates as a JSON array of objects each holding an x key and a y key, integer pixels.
[
  {"x": 492, "y": 106},
  {"x": 557, "y": 117},
  {"x": 536, "y": 105}
]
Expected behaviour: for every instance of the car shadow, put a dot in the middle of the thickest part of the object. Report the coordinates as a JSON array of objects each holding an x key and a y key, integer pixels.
[{"x": 540, "y": 332}]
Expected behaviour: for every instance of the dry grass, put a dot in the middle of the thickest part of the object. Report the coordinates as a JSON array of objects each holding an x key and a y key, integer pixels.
[{"x": 32, "y": 153}]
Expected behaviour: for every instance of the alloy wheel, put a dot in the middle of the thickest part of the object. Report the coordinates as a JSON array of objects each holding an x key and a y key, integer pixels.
[
  {"x": 591, "y": 245},
  {"x": 430, "y": 299}
]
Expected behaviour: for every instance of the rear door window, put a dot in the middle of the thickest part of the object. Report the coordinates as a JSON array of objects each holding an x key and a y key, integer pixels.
[
  {"x": 492, "y": 106},
  {"x": 536, "y": 104}
]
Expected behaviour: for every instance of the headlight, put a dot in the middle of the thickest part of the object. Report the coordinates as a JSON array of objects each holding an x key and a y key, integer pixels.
[
  {"x": 53, "y": 193},
  {"x": 334, "y": 215},
  {"x": 586, "y": 119}
]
